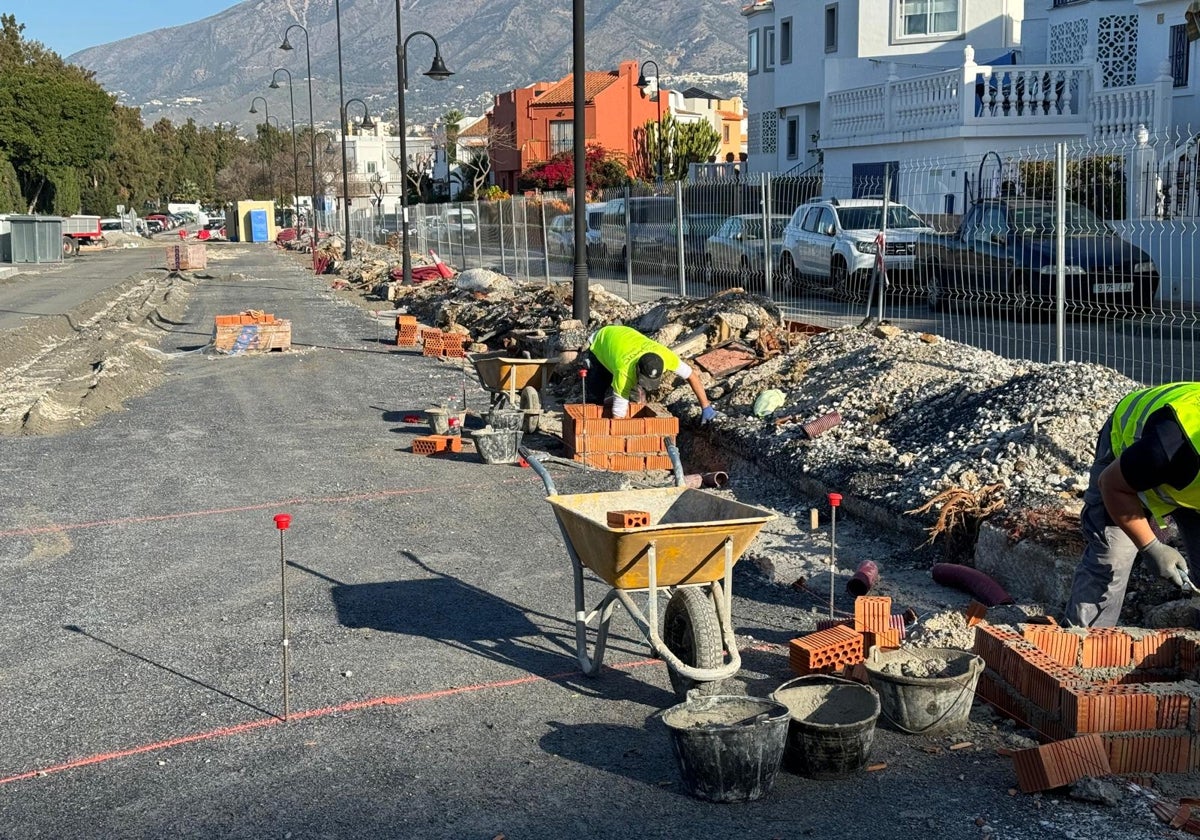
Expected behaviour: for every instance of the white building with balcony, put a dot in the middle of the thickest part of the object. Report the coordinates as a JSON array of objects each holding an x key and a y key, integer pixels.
[{"x": 850, "y": 89}]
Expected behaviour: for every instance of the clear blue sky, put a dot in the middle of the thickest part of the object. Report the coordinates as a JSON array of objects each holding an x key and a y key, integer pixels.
[{"x": 67, "y": 26}]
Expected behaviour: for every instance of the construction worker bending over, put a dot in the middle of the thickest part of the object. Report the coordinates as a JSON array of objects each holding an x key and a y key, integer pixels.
[
  {"x": 1147, "y": 466},
  {"x": 623, "y": 366}
]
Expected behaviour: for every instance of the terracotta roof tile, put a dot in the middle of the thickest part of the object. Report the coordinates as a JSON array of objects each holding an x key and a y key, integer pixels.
[
  {"x": 563, "y": 92},
  {"x": 477, "y": 129}
]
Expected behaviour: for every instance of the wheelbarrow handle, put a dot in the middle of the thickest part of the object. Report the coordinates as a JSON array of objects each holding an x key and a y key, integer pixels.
[{"x": 540, "y": 469}]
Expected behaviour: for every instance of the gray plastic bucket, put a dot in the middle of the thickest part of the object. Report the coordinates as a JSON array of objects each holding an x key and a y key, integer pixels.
[
  {"x": 925, "y": 705},
  {"x": 728, "y": 748},
  {"x": 497, "y": 446},
  {"x": 439, "y": 420},
  {"x": 832, "y": 725},
  {"x": 505, "y": 419}
]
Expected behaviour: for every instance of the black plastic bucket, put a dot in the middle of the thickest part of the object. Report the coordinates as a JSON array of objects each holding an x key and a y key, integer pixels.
[
  {"x": 832, "y": 725},
  {"x": 728, "y": 748}
]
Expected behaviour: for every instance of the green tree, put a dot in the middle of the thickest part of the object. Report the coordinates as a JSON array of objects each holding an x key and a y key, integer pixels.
[
  {"x": 10, "y": 189},
  {"x": 453, "y": 119}
]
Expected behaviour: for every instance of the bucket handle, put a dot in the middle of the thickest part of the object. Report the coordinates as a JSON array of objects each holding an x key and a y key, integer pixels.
[{"x": 969, "y": 679}]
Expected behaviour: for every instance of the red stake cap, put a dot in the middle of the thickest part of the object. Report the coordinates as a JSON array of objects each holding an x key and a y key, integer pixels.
[
  {"x": 583, "y": 373},
  {"x": 283, "y": 521},
  {"x": 835, "y": 499}
]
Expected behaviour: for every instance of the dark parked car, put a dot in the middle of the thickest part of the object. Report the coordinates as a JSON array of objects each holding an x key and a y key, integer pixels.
[
  {"x": 697, "y": 227},
  {"x": 1004, "y": 253}
]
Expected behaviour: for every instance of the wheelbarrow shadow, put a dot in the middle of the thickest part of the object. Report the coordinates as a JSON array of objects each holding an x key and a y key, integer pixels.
[{"x": 464, "y": 617}]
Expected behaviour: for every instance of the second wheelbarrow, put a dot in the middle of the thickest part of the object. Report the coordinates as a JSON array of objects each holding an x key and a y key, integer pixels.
[{"x": 686, "y": 550}]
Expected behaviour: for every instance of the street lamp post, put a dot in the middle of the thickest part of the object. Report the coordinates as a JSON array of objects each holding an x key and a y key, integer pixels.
[
  {"x": 367, "y": 124},
  {"x": 295, "y": 161},
  {"x": 643, "y": 83},
  {"x": 437, "y": 71},
  {"x": 312, "y": 128},
  {"x": 266, "y": 122}
]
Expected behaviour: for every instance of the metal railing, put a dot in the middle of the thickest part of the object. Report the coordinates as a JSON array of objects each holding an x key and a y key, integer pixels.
[{"x": 1123, "y": 294}]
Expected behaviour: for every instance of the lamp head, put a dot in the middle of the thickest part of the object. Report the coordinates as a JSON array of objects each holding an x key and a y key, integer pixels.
[
  {"x": 368, "y": 124},
  {"x": 274, "y": 85},
  {"x": 253, "y": 108},
  {"x": 437, "y": 70},
  {"x": 642, "y": 81},
  {"x": 286, "y": 45}
]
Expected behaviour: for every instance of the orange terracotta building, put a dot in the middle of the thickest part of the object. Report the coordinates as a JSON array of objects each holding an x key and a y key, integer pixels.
[{"x": 539, "y": 118}]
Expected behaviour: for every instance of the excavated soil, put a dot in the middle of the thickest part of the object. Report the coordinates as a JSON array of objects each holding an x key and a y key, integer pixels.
[{"x": 61, "y": 372}]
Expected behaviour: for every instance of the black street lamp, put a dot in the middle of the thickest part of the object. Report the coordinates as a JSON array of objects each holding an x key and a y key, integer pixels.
[
  {"x": 643, "y": 83},
  {"x": 312, "y": 128},
  {"x": 438, "y": 72},
  {"x": 367, "y": 124},
  {"x": 266, "y": 122},
  {"x": 295, "y": 164}
]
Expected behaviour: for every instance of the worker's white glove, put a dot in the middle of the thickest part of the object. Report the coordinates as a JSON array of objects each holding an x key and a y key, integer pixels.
[{"x": 1169, "y": 562}]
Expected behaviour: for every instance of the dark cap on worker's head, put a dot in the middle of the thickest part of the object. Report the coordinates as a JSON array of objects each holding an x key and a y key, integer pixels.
[{"x": 649, "y": 370}]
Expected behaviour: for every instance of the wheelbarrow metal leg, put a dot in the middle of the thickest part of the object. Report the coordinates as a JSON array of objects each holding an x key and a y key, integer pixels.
[{"x": 652, "y": 591}]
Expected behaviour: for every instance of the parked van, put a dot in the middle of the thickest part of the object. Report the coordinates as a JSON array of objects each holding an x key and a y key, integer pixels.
[{"x": 649, "y": 220}]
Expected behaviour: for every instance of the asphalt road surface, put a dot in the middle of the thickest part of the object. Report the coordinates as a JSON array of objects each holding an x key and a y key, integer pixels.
[{"x": 433, "y": 687}]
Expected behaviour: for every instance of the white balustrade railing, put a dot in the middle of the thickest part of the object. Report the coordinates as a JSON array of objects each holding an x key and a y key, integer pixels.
[
  {"x": 1118, "y": 111},
  {"x": 1031, "y": 93},
  {"x": 857, "y": 111},
  {"x": 926, "y": 101}
]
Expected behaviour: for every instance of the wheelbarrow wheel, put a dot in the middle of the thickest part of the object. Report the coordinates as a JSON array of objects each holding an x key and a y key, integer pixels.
[{"x": 691, "y": 632}]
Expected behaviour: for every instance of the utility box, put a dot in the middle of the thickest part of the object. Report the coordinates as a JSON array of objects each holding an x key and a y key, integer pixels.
[{"x": 36, "y": 239}]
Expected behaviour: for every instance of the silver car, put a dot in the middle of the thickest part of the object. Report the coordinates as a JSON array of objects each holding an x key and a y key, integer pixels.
[{"x": 737, "y": 251}]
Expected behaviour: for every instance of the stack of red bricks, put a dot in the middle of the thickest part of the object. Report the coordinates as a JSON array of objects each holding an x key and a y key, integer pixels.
[
  {"x": 433, "y": 444},
  {"x": 1124, "y": 685},
  {"x": 406, "y": 330},
  {"x": 440, "y": 344},
  {"x": 845, "y": 644},
  {"x": 632, "y": 443}
]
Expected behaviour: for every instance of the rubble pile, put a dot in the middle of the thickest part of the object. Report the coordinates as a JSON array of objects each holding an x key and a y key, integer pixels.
[{"x": 921, "y": 415}]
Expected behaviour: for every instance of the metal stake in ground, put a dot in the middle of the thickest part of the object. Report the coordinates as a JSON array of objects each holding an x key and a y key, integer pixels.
[
  {"x": 282, "y": 522},
  {"x": 835, "y": 499}
]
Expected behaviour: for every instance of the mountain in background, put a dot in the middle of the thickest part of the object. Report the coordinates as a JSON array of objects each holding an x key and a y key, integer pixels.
[{"x": 210, "y": 70}]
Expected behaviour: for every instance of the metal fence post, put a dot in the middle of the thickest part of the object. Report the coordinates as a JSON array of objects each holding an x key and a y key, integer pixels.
[
  {"x": 1060, "y": 247},
  {"x": 545, "y": 244},
  {"x": 525, "y": 232},
  {"x": 883, "y": 221},
  {"x": 628, "y": 251},
  {"x": 768, "y": 279},
  {"x": 679, "y": 238},
  {"x": 479, "y": 232},
  {"x": 500, "y": 231}
]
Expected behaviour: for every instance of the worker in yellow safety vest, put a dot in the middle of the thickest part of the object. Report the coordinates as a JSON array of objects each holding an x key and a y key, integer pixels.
[
  {"x": 1147, "y": 467},
  {"x": 623, "y": 365}
]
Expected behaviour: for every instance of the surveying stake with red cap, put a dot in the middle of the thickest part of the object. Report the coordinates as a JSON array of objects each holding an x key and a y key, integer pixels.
[
  {"x": 283, "y": 521},
  {"x": 835, "y": 499}
]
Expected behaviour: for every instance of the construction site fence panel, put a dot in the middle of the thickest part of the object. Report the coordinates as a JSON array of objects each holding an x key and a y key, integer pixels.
[{"x": 1080, "y": 252}]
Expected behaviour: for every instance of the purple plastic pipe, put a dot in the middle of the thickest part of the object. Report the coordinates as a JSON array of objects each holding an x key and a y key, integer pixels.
[
  {"x": 972, "y": 581},
  {"x": 864, "y": 579}
]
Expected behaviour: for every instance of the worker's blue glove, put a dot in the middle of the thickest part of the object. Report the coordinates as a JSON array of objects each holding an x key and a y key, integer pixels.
[{"x": 707, "y": 414}]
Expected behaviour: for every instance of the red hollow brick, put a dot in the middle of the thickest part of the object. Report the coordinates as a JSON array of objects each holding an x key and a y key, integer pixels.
[
  {"x": 1060, "y": 763},
  {"x": 628, "y": 519},
  {"x": 873, "y": 613},
  {"x": 825, "y": 651}
]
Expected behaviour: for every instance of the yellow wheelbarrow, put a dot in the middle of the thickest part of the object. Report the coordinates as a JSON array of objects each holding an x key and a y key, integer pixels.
[
  {"x": 513, "y": 382},
  {"x": 686, "y": 550}
]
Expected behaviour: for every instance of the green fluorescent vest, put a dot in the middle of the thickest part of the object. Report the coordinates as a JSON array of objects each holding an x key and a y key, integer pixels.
[{"x": 1130, "y": 416}]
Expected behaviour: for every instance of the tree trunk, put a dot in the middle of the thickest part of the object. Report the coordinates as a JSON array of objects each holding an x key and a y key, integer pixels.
[{"x": 38, "y": 194}]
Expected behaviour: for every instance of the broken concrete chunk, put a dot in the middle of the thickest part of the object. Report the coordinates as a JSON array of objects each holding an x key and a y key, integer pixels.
[{"x": 887, "y": 332}]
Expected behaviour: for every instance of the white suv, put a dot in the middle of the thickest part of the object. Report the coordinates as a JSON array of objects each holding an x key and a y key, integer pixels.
[{"x": 833, "y": 243}]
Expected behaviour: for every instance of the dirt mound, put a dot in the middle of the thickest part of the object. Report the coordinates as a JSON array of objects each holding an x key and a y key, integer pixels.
[{"x": 61, "y": 372}]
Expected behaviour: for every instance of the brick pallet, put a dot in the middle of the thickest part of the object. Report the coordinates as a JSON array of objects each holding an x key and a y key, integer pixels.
[
  {"x": 186, "y": 257},
  {"x": 251, "y": 332}
]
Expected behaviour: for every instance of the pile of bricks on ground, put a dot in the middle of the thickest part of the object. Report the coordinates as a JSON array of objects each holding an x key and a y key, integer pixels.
[
  {"x": 625, "y": 444},
  {"x": 1134, "y": 690},
  {"x": 845, "y": 644},
  {"x": 251, "y": 331},
  {"x": 434, "y": 342}
]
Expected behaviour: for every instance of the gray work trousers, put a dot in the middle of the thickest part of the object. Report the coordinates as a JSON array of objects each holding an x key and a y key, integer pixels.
[{"x": 1098, "y": 590}]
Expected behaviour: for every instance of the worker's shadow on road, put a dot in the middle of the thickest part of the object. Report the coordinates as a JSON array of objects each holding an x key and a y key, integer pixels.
[
  {"x": 462, "y": 616},
  {"x": 639, "y": 753}
]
